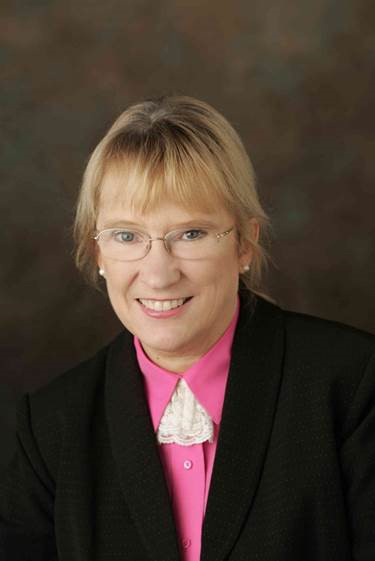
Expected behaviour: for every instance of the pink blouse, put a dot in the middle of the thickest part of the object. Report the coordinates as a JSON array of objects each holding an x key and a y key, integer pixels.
[{"x": 188, "y": 469}]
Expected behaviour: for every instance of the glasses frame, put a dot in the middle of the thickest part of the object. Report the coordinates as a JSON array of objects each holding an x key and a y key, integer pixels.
[{"x": 149, "y": 239}]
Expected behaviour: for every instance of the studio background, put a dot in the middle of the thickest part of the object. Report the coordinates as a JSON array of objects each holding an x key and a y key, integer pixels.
[{"x": 296, "y": 79}]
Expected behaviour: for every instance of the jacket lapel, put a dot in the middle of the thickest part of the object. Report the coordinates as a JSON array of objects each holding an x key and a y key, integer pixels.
[
  {"x": 135, "y": 451},
  {"x": 246, "y": 424}
]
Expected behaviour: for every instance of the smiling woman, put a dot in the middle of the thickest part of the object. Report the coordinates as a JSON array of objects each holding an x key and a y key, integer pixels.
[
  {"x": 167, "y": 165},
  {"x": 175, "y": 149},
  {"x": 216, "y": 426},
  {"x": 145, "y": 288}
]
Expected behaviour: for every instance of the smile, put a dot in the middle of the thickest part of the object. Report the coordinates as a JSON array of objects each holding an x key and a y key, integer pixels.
[{"x": 163, "y": 305}]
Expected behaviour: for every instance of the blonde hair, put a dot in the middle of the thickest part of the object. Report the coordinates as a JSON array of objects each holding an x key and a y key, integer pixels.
[{"x": 174, "y": 148}]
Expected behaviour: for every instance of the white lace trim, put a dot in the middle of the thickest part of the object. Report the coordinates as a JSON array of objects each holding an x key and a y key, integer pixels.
[{"x": 184, "y": 421}]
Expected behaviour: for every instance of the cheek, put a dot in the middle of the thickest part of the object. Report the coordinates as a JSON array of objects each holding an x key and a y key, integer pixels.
[
  {"x": 220, "y": 274},
  {"x": 119, "y": 278}
]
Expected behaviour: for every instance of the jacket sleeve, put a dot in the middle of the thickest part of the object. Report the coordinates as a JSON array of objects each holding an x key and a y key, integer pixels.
[
  {"x": 26, "y": 498},
  {"x": 358, "y": 466}
]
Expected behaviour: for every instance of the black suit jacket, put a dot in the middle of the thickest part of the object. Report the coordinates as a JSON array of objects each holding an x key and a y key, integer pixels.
[{"x": 294, "y": 473}]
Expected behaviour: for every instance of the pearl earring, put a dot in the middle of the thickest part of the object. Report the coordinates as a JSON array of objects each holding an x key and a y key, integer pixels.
[
  {"x": 246, "y": 268},
  {"x": 101, "y": 272}
]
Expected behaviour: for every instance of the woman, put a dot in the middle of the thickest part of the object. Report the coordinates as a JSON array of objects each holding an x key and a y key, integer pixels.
[{"x": 216, "y": 426}]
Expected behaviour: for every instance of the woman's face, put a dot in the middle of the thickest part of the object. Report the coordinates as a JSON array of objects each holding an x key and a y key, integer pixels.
[{"x": 211, "y": 284}]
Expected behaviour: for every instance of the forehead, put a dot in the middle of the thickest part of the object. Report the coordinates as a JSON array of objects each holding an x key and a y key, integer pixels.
[{"x": 124, "y": 197}]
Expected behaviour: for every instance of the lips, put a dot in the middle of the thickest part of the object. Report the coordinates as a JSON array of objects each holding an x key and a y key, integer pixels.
[{"x": 162, "y": 305}]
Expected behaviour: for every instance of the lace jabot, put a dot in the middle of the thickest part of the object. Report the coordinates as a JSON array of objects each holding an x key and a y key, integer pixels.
[{"x": 184, "y": 421}]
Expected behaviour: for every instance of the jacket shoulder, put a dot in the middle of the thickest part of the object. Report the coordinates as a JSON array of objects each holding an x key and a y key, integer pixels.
[
  {"x": 49, "y": 416},
  {"x": 319, "y": 333},
  {"x": 316, "y": 348},
  {"x": 66, "y": 389},
  {"x": 327, "y": 354},
  {"x": 301, "y": 325}
]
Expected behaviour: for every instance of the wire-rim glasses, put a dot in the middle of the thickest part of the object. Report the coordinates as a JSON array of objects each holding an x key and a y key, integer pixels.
[{"x": 125, "y": 244}]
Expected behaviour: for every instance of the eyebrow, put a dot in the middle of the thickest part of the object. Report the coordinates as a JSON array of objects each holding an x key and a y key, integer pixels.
[{"x": 129, "y": 223}]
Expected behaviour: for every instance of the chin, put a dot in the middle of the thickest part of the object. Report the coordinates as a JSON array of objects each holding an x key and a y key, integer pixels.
[
  {"x": 168, "y": 342},
  {"x": 163, "y": 344}
]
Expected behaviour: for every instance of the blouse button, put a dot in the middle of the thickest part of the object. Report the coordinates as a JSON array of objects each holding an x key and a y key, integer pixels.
[
  {"x": 186, "y": 543},
  {"x": 188, "y": 464}
]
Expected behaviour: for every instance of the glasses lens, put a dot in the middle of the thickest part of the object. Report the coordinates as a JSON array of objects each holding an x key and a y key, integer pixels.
[
  {"x": 123, "y": 245},
  {"x": 192, "y": 244}
]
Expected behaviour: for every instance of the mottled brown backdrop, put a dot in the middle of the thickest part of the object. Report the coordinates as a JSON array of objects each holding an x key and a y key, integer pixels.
[{"x": 295, "y": 78}]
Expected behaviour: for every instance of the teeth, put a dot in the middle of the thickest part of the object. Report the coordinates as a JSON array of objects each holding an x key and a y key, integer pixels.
[{"x": 162, "y": 305}]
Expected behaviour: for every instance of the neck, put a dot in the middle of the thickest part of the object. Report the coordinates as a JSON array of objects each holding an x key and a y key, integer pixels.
[{"x": 178, "y": 364}]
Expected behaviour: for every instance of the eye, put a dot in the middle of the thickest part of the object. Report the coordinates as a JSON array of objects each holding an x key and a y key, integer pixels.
[
  {"x": 192, "y": 235},
  {"x": 126, "y": 236}
]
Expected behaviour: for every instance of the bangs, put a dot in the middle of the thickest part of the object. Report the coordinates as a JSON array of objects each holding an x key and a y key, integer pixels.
[{"x": 148, "y": 177}]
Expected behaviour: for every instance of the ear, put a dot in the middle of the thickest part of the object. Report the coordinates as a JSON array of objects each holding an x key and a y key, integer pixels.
[
  {"x": 98, "y": 257},
  {"x": 247, "y": 248},
  {"x": 254, "y": 228}
]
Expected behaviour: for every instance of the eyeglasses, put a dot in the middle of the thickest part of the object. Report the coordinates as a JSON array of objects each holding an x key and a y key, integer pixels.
[{"x": 130, "y": 245}]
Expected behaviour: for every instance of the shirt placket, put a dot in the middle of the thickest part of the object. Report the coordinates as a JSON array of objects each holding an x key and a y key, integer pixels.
[{"x": 187, "y": 469}]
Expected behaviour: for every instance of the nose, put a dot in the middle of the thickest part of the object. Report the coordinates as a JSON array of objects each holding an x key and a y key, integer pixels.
[{"x": 159, "y": 269}]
